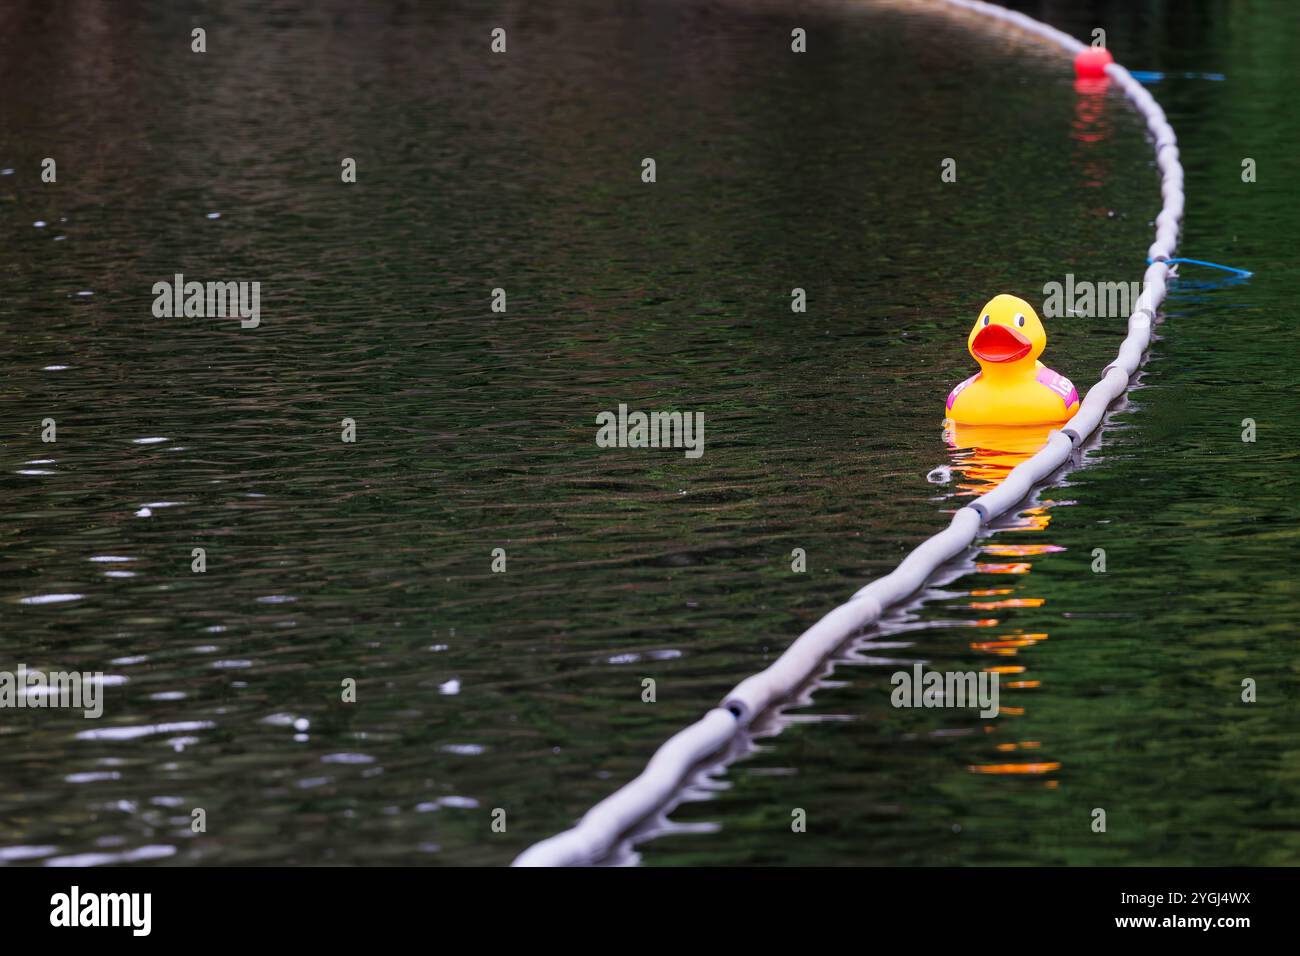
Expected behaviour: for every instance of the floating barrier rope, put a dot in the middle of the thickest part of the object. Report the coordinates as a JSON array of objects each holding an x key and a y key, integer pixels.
[{"x": 599, "y": 831}]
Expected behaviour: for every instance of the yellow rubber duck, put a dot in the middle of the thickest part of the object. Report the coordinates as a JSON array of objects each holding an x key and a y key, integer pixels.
[{"x": 1012, "y": 387}]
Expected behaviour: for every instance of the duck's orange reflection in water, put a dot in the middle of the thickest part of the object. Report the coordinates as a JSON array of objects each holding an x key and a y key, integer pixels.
[{"x": 983, "y": 455}]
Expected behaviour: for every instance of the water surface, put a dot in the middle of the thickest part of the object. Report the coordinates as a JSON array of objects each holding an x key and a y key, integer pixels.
[{"x": 522, "y": 691}]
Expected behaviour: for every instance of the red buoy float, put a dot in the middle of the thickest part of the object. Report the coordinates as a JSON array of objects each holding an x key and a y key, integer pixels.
[{"x": 1091, "y": 62}]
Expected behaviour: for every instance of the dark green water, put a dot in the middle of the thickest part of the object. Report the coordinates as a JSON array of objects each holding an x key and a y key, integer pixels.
[{"x": 476, "y": 430}]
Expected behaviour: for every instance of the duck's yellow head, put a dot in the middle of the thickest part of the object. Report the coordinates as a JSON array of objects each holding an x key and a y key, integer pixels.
[{"x": 1007, "y": 333}]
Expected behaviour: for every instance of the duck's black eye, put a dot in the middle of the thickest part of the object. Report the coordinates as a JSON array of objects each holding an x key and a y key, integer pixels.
[
  {"x": 1020, "y": 321},
  {"x": 986, "y": 320}
]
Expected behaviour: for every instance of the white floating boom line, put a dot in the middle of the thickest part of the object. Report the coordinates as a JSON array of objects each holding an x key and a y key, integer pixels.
[{"x": 598, "y": 832}]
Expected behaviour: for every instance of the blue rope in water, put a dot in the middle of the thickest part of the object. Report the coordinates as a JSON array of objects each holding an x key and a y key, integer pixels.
[
  {"x": 1212, "y": 265},
  {"x": 1151, "y": 76}
]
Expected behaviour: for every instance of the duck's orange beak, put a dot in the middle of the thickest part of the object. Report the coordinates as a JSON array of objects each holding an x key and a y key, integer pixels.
[{"x": 1000, "y": 343}]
